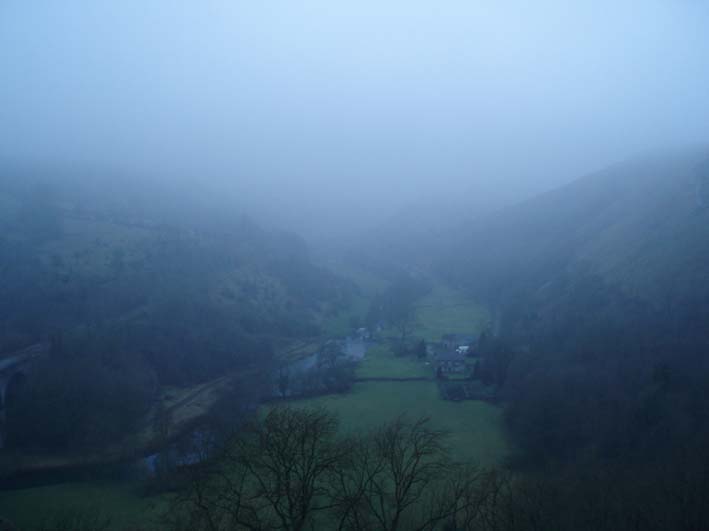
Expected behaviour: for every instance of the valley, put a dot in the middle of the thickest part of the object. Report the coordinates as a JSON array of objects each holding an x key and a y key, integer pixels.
[{"x": 476, "y": 428}]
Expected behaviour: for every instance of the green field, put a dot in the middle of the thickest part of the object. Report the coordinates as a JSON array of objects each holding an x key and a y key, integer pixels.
[
  {"x": 476, "y": 431},
  {"x": 380, "y": 362},
  {"x": 29, "y": 508},
  {"x": 475, "y": 428}
]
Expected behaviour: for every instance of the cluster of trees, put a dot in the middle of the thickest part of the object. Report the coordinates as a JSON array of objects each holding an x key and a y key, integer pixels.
[
  {"x": 78, "y": 402},
  {"x": 495, "y": 357},
  {"x": 331, "y": 373},
  {"x": 608, "y": 376},
  {"x": 295, "y": 471}
]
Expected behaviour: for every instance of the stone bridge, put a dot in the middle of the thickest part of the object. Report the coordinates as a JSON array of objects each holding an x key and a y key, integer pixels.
[{"x": 14, "y": 368}]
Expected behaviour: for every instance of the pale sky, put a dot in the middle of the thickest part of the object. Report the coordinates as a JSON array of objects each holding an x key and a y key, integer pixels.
[{"x": 329, "y": 112}]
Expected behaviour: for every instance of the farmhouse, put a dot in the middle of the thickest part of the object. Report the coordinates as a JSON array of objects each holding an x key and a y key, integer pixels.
[{"x": 450, "y": 362}]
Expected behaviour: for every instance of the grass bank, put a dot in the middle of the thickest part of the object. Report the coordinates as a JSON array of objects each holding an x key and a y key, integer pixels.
[{"x": 120, "y": 501}]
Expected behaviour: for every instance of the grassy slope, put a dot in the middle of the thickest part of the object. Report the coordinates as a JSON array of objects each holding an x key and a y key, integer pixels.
[
  {"x": 639, "y": 226},
  {"x": 380, "y": 362},
  {"x": 122, "y": 502},
  {"x": 445, "y": 311}
]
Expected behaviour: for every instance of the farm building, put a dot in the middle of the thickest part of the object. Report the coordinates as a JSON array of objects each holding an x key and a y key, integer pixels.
[{"x": 450, "y": 362}]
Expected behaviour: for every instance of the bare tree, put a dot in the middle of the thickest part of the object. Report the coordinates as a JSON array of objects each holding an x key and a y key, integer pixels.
[
  {"x": 293, "y": 472},
  {"x": 402, "y": 478},
  {"x": 277, "y": 476},
  {"x": 330, "y": 355}
]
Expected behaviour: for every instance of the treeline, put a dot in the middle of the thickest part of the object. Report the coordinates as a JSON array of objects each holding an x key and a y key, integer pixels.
[{"x": 296, "y": 469}]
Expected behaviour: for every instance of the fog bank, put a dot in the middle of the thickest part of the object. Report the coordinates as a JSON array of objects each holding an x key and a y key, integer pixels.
[{"x": 323, "y": 116}]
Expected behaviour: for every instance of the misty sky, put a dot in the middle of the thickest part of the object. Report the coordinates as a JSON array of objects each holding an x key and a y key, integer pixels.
[{"x": 332, "y": 111}]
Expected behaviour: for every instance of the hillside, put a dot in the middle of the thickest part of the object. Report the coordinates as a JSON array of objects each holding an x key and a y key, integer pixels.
[
  {"x": 601, "y": 291},
  {"x": 640, "y": 226},
  {"x": 88, "y": 263},
  {"x": 413, "y": 237},
  {"x": 134, "y": 298}
]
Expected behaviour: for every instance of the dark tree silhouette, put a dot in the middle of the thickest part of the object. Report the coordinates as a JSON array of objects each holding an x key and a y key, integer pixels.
[
  {"x": 278, "y": 476},
  {"x": 293, "y": 472}
]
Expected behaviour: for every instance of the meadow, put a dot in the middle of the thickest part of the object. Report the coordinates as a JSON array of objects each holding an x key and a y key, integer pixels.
[
  {"x": 121, "y": 502},
  {"x": 474, "y": 428},
  {"x": 380, "y": 362}
]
